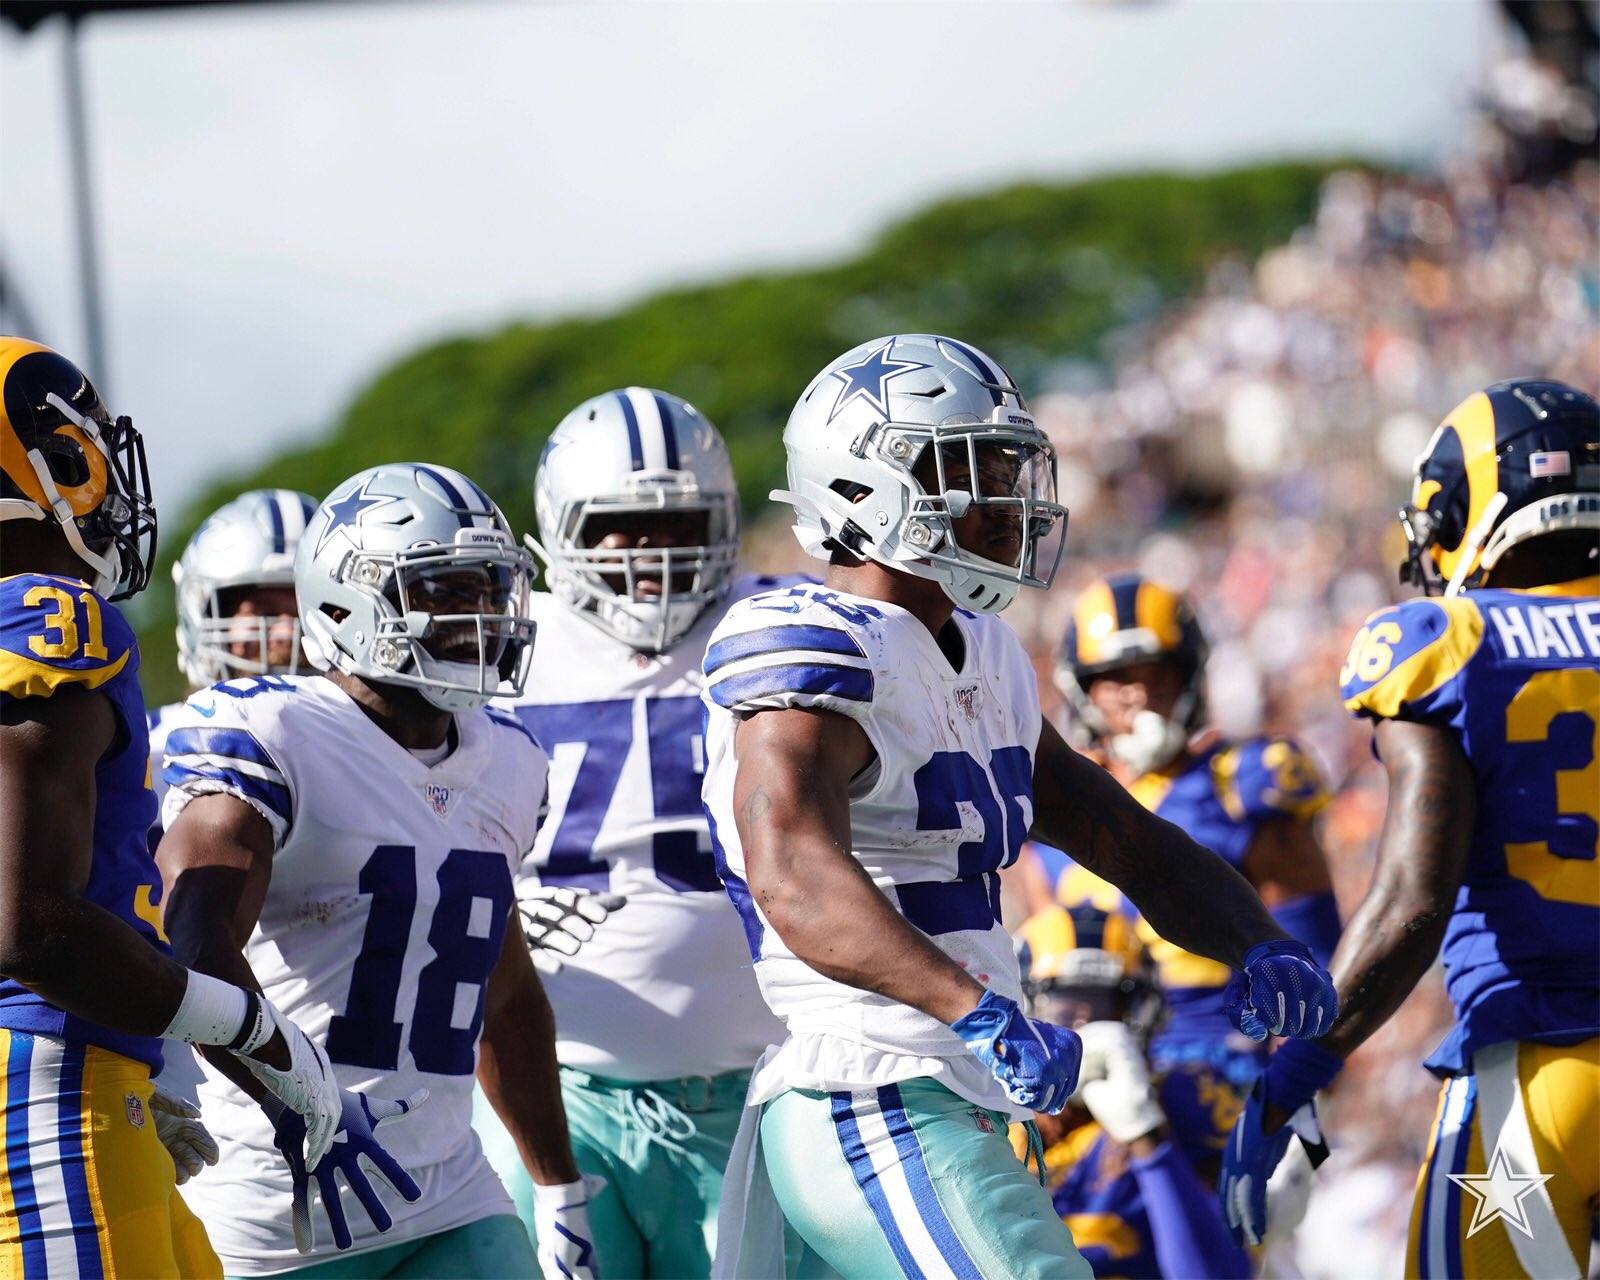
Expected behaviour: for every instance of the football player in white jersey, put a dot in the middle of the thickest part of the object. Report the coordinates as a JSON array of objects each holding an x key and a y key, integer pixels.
[
  {"x": 347, "y": 841},
  {"x": 658, "y": 1019},
  {"x": 237, "y": 615},
  {"x": 874, "y": 755}
]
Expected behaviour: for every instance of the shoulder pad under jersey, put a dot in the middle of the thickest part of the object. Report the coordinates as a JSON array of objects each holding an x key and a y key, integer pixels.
[
  {"x": 1405, "y": 659},
  {"x": 56, "y": 632},
  {"x": 1268, "y": 778},
  {"x": 797, "y": 647}
]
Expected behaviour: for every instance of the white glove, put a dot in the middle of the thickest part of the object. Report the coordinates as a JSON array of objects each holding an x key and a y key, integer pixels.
[
  {"x": 1288, "y": 1194},
  {"x": 556, "y": 922},
  {"x": 561, "y": 1223},
  {"x": 308, "y": 1087},
  {"x": 1115, "y": 1084},
  {"x": 178, "y": 1126}
]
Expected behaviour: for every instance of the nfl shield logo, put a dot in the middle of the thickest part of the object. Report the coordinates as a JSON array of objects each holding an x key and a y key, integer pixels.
[
  {"x": 438, "y": 797},
  {"x": 981, "y": 1119},
  {"x": 967, "y": 700},
  {"x": 134, "y": 1106}
]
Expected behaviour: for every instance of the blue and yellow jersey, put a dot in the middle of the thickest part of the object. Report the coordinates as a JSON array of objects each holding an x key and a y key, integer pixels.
[
  {"x": 1220, "y": 798},
  {"x": 1095, "y": 1186},
  {"x": 1515, "y": 677},
  {"x": 56, "y": 633}
]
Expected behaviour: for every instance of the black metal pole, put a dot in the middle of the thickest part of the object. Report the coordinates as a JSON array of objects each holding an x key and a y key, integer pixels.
[{"x": 83, "y": 208}]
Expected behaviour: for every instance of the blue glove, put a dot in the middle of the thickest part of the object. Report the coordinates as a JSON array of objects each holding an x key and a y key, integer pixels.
[
  {"x": 1037, "y": 1062},
  {"x": 1290, "y": 1081},
  {"x": 352, "y": 1139},
  {"x": 1281, "y": 991}
]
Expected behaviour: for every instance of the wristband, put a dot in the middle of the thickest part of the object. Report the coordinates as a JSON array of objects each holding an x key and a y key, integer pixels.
[
  {"x": 1300, "y": 1068},
  {"x": 561, "y": 1195},
  {"x": 216, "y": 1012}
]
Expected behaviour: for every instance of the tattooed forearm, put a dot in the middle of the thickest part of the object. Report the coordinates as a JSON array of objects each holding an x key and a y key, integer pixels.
[
  {"x": 1190, "y": 896},
  {"x": 1395, "y": 932},
  {"x": 756, "y": 807}
]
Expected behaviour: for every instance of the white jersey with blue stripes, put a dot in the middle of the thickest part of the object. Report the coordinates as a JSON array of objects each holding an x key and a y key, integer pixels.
[
  {"x": 943, "y": 807},
  {"x": 160, "y": 722},
  {"x": 390, "y": 896},
  {"x": 664, "y": 989}
]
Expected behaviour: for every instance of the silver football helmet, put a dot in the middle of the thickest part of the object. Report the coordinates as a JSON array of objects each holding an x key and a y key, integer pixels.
[
  {"x": 245, "y": 544},
  {"x": 630, "y": 453},
  {"x": 409, "y": 574},
  {"x": 867, "y": 420}
]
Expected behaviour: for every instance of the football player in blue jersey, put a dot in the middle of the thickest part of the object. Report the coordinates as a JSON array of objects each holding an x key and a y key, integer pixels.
[
  {"x": 1132, "y": 667},
  {"x": 88, "y": 987},
  {"x": 1485, "y": 702},
  {"x": 1127, "y": 1162}
]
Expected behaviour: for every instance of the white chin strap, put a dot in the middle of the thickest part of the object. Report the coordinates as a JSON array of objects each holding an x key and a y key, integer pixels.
[
  {"x": 1468, "y": 561},
  {"x": 976, "y": 591},
  {"x": 1153, "y": 741},
  {"x": 107, "y": 567},
  {"x": 456, "y": 673}
]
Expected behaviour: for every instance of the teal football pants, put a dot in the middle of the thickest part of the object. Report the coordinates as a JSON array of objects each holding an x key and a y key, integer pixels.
[
  {"x": 487, "y": 1249},
  {"x": 662, "y": 1148},
  {"x": 911, "y": 1180}
]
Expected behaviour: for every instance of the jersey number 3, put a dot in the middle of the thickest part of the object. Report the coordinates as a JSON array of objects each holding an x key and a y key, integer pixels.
[
  {"x": 1529, "y": 718},
  {"x": 465, "y": 934}
]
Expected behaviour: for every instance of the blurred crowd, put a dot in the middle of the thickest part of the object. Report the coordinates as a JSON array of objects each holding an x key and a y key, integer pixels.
[{"x": 1253, "y": 447}]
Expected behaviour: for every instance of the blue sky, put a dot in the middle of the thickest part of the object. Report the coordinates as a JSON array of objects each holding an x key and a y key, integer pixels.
[{"x": 291, "y": 196}]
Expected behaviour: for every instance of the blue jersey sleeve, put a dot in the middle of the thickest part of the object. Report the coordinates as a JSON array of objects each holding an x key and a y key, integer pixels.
[
  {"x": 1268, "y": 778},
  {"x": 1407, "y": 662},
  {"x": 1188, "y": 1233},
  {"x": 56, "y": 632}
]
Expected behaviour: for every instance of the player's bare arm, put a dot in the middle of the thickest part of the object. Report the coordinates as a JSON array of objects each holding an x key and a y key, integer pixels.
[
  {"x": 1393, "y": 936},
  {"x": 216, "y": 864},
  {"x": 75, "y": 954},
  {"x": 1285, "y": 861},
  {"x": 517, "y": 1064},
  {"x": 1190, "y": 896},
  {"x": 792, "y": 806}
]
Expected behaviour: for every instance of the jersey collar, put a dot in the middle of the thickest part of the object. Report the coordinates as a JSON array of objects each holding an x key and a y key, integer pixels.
[{"x": 1589, "y": 586}]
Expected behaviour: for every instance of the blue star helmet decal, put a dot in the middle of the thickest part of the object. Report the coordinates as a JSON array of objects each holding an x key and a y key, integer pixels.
[
  {"x": 866, "y": 379},
  {"x": 348, "y": 509}
]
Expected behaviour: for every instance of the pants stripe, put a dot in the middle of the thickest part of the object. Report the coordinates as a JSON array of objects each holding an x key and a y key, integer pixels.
[
  {"x": 1451, "y": 1137},
  {"x": 74, "y": 1169},
  {"x": 922, "y": 1191},
  {"x": 19, "y": 1168},
  {"x": 1422, "y": 1217},
  {"x": 855, "y": 1154},
  {"x": 1452, "y": 1202},
  {"x": 1505, "y": 1128}
]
